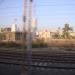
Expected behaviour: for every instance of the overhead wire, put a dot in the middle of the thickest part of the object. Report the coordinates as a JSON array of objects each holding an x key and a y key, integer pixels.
[
  {"x": 41, "y": 5},
  {"x": 10, "y": 7},
  {"x": 35, "y": 7}
]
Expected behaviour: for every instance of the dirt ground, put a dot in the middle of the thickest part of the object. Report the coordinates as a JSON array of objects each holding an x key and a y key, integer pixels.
[{"x": 61, "y": 43}]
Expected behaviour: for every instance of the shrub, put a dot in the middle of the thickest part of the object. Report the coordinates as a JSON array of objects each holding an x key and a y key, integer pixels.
[
  {"x": 39, "y": 43},
  {"x": 9, "y": 44}
]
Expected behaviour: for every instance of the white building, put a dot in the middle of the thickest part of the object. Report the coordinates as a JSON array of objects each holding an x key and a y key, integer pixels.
[
  {"x": 34, "y": 27},
  {"x": 72, "y": 34},
  {"x": 13, "y": 28},
  {"x": 43, "y": 34}
]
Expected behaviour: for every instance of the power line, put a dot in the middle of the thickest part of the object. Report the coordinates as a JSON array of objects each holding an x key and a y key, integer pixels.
[
  {"x": 42, "y": 5},
  {"x": 10, "y": 7},
  {"x": 54, "y": 5}
]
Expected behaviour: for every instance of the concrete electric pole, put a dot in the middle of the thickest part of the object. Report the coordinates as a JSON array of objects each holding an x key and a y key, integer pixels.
[
  {"x": 24, "y": 22},
  {"x": 29, "y": 36},
  {"x": 28, "y": 40},
  {"x": 23, "y": 72}
]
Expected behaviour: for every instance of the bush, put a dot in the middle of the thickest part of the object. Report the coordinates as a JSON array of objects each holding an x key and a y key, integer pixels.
[
  {"x": 39, "y": 43},
  {"x": 35, "y": 44},
  {"x": 9, "y": 44}
]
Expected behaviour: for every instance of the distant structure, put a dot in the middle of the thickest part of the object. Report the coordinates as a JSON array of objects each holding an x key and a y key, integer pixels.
[
  {"x": 13, "y": 28},
  {"x": 0, "y": 29},
  {"x": 34, "y": 23},
  {"x": 34, "y": 28},
  {"x": 43, "y": 34},
  {"x": 46, "y": 35},
  {"x": 10, "y": 34},
  {"x": 8, "y": 29}
]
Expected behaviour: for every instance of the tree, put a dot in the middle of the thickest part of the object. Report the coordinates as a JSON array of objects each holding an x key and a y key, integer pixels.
[{"x": 66, "y": 31}]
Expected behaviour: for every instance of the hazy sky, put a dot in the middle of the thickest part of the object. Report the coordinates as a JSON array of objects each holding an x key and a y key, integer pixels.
[{"x": 49, "y": 13}]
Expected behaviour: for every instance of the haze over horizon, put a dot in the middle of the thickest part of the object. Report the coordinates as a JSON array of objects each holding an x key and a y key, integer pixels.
[{"x": 50, "y": 14}]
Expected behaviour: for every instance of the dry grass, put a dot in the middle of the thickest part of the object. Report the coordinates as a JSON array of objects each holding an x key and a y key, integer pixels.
[{"x": 61, "y": 43}]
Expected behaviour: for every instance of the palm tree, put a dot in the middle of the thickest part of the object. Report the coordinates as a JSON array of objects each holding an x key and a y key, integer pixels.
[{"x": 66, "y": 31}]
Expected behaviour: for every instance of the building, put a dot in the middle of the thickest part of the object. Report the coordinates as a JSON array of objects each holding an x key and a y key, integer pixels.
[
  {"x": 10, "y": 34},
  {"x": 46, "y": 35},
  {"x": 5, "y": 30},
  {"x": 13, "y": 28},
  {"x": 43, "y": 34},
  {"x": 34, "y": 28}
]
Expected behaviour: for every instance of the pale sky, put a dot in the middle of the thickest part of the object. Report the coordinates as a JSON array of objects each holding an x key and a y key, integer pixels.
[{"x": 50, "y": 14}]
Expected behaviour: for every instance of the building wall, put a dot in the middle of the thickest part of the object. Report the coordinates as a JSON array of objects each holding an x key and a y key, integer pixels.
[
  {"x": 15, "y": 36},
  {"x": 2, "y": 36},
  {"x": 13, "y": 28},
  {"x": 11, "y": 36},
  {"x": 72, "y": 34}
]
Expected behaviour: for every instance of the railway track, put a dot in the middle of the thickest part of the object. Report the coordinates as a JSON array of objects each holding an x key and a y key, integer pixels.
[{"x": 45, "y": 59}]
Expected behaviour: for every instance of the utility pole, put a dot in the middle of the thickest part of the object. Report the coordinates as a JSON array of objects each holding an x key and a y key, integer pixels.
[
  {"x": 28, "y": 39},
  {"x": 24, "y": 22},
  {"x": 29, "y": 36},
  {"x": 23, "y": 72}
]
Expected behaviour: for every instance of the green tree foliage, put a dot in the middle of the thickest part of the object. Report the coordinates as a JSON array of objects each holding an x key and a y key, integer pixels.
[{"x": 66, "y": 31}]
